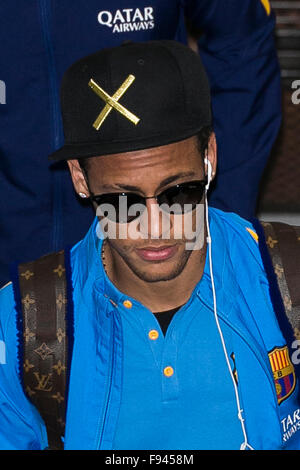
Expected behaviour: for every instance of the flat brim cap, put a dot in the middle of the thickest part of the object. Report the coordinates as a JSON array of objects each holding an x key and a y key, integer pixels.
[{"x": 169, "y": 95}]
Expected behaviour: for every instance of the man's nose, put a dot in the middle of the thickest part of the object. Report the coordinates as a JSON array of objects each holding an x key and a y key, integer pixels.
[{"x": 154, "y": 222}]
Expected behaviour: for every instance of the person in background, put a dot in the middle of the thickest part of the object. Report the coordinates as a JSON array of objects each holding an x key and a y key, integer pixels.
[{"x": 39, "y": 210}]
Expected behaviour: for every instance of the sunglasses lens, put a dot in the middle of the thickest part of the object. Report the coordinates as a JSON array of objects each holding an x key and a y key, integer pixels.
[
  {"x": 123, "y": 208},
  {"x": 118, "y": 207},
  {"x": 187, "y": 194},
  {"x": 134, "y": 207}
]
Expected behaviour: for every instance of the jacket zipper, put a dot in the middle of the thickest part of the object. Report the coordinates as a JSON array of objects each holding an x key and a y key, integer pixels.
[
  {"x": 45, "y": 6},
  {"x": 102, "y": 426}
]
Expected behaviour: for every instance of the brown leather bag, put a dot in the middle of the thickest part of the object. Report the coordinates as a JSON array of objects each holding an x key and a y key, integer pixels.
[
  {"x": 283, "y": 243},
  {"x": 46, "y": 342}
]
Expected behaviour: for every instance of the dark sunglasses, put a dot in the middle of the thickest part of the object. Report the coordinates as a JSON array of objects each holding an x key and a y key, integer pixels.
[{"x": 185, "y": 196}]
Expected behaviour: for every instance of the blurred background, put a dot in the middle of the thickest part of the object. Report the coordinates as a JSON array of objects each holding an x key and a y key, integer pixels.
[{"x": 280, "y": 187}]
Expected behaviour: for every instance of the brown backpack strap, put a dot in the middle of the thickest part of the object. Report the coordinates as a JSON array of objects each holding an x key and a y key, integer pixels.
[
  {"x": 43, "y": 299},
  {"x": 283, "y": 242}
]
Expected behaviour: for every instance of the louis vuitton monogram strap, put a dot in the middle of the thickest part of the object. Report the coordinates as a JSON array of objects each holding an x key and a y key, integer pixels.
[
  {"x": 43, "y": 298},
  {"x": 283, "y": 242}
]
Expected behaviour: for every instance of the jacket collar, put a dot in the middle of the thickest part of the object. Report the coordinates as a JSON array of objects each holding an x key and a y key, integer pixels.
[
  {"x": 90, "y": 270},
  {"x": 90, "y": 277}
]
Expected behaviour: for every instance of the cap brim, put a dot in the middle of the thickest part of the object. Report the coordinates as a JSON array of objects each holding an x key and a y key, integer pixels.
[{"x": 97, "y": 149}]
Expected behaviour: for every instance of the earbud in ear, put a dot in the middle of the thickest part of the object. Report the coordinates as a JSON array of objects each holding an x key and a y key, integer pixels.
[{"x": 209, "y": 172}]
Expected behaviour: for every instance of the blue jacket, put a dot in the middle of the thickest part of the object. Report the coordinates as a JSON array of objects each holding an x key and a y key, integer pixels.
[
  {"x": 41, "y": 38},
  {"x": 243, "y": 304}
]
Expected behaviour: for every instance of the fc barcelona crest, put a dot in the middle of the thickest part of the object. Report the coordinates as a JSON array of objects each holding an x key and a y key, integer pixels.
[{"x": 283, "y": 372}]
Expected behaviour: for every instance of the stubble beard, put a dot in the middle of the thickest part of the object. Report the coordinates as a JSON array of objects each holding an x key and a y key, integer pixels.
[{"x": 152, "y": 277}]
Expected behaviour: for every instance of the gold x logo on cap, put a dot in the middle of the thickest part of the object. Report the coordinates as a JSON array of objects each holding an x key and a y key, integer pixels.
[{"x": 112, "y": 102}]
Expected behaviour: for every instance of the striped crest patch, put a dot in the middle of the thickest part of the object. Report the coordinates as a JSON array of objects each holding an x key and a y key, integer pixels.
[{"x": 283, "y": 372}]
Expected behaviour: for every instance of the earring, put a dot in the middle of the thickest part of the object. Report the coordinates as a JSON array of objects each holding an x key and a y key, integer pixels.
[{"x": 82, "y": 195}]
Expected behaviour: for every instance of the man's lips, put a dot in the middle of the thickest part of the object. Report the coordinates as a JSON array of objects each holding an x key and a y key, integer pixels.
[{"x": 158, "y": 253}]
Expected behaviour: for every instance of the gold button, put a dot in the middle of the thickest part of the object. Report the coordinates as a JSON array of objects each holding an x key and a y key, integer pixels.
[
  {"x": 168, "y": 371},
  {"x": 153, "y": 334},
  {"x": 127, "y": 303}
]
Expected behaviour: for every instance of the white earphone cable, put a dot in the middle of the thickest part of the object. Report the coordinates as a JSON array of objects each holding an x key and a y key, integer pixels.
[{"x": 245, "y": 444}]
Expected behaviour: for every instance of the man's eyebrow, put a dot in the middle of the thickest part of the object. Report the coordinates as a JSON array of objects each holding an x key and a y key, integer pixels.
[
  {"x": 165, "y": 182},
  {"x": 127, "y": 187},
  {"x": 173, "y": 178}
]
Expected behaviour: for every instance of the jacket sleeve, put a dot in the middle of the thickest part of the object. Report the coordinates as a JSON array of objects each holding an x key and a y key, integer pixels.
[
  {"x": 21, "y": 427},
  {"x": 238, "y": 50}
]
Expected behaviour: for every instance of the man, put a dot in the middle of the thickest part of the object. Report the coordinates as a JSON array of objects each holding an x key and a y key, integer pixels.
[
  {"x": 175, "y": 335},
  {"x": 237, "y": 47}
]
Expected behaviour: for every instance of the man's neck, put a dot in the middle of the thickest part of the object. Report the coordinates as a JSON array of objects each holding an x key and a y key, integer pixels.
[{"x": 161, "y": 295}]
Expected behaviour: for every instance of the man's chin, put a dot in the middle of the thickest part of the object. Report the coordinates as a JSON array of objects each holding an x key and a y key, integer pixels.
[
  {"x": 159, "y": 272},
  {"x": 152, "y": 278}
]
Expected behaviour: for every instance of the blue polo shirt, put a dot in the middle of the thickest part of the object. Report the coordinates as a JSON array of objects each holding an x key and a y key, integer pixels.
[{"x": 182, "y": 375}]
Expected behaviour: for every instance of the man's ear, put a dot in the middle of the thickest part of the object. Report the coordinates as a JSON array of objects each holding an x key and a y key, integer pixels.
[
  {"x": 78, "y": 178},
  {"x": 212, "y": 154}
]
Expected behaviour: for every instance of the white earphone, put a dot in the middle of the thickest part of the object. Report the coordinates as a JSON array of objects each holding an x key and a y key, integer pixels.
[
  {"x": 245, "y": 445},
  {"x": 209, "y": 172}
]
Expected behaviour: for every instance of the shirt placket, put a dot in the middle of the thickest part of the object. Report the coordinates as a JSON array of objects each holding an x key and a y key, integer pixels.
[{"x": 164, "y": 348}]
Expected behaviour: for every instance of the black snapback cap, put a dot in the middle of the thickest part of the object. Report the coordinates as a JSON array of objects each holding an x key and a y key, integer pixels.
[{"x": 132, "y": 97}]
